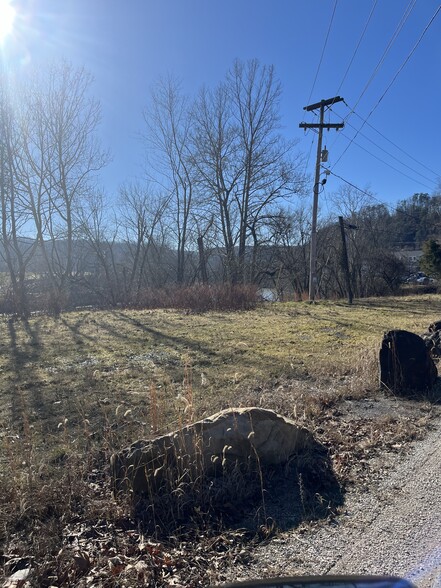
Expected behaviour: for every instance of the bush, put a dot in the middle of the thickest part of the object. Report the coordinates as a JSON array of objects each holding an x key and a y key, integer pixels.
[{"x": 201, "y": 297}]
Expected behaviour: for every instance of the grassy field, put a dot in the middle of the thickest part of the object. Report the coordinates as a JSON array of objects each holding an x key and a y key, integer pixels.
[
  {"x": 52, "y": 369},
  {"x": 74, "y": 389}
]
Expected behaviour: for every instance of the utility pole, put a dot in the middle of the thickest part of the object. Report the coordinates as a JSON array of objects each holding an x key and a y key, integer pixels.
[
  {"x": 320, "y": 126},
  {"x": 345, "y": 259},
  {"x": 202, "y": 260}
]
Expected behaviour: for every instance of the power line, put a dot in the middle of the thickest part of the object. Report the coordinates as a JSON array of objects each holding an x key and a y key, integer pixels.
[
  {"x": 437, "y": 174},
  {"x": 309, "y": 155},
  {"x": 314, "y": 118},
  {"x": 323, "y": 51},
  {"x": 350, "y": 62},
  {"x": 390, "y": 155},
  {"x": 414, "y": 48},
  {"x": 357, "y": 46},
  {"x": 392, "y": 40},
  {"x": 395, "y": 158},
  {"x": 370, "y": 195},
  {"x": 388, "y": 164},
  {"x": 392, "y": 81}
]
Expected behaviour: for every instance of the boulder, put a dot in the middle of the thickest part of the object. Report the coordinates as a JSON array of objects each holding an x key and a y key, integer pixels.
[
  {"x": 236, "y": 439},
  {"x": 405, "y": 363}
]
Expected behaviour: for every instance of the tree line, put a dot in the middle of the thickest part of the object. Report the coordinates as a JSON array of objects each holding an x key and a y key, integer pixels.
[{"x": 221, "y": 200}]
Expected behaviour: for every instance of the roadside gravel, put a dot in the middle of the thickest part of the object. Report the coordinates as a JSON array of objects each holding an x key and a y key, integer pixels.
[{"x": 390, "y": 526}]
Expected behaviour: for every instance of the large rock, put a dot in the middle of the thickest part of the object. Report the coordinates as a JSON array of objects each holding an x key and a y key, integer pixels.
[
  {"x": 241, "y": 438},
  {"x": 405, "y": 363}
]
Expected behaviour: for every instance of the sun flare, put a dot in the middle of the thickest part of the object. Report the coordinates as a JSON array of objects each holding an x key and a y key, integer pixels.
[{"x": 7, "y": 17}]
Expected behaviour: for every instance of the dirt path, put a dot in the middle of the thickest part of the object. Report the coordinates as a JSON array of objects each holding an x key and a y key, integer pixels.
[{"x": 393, "y": 527}]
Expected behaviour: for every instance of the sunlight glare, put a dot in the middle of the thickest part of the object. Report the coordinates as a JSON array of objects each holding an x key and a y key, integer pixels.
[{"x": 7, "y": 17}]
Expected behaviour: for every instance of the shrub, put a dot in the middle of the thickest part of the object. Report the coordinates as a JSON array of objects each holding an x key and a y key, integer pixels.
[{"x": 201, "y": 297}]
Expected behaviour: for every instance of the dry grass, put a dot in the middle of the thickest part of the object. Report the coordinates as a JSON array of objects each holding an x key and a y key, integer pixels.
[
  {"x": 74, "y": 389},
  {"x": 96, "y": 366}
]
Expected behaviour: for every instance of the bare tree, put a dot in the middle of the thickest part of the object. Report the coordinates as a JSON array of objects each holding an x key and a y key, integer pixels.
[
  {"x": 219, "y": 165},
  {"x": 269, "y": 171},
  {"x": 141, "y": 214},
  {"x": 60, "y": 158},
  {"x": 99, "y": 227},
  {"x": 168, "y": 122},
  {"x": 242, "y": 160},
  {"x": 17, "y": 250},
  {"x": 290, "y": 232}
]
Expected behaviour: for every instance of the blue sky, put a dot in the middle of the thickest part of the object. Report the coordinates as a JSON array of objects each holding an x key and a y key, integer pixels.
[{"x": 127, "y": 45}]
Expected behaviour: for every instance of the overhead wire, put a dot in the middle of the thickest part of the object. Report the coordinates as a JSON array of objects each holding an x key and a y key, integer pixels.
[
  {"x": 317, "y": 73},
  {"x": 412, "y": 51},
  {"x": 414, "y": 48},
  {"x": 437, "y": 174},
  {"x": 396, "y": 159},
  {"x": 401, "y": 23},
  {"x": 350, "y": 62},
  {"x": 323, "y": 50},
  {"x": 370, "y": 195},
  {"x": 357, "y": 47},
  {"x": 389, "y": 165},
  {"x": 309, "y": 155},
  {"x": 435, "y": 183}
]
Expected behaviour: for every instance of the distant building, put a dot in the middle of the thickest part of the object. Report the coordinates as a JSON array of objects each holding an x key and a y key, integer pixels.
[{"x": 410, "y": 258}]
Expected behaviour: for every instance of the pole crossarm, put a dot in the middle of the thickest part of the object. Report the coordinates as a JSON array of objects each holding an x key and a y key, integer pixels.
[
  {"x": 323, "y": 103},
  {"x": 321, "y": 126}
]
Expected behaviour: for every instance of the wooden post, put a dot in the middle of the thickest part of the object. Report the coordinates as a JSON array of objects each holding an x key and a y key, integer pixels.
[{"x": 345, "y": 260}]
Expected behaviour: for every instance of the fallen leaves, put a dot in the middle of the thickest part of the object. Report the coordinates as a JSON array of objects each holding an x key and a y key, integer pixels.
[{"x": 108, "y": 555}]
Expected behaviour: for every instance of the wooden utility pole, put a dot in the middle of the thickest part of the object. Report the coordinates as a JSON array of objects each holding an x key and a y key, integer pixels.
[
  {"x": 320, "y": 126},
  {"x": 345, "y": 260},
  {"x": 202, "y": 260}
]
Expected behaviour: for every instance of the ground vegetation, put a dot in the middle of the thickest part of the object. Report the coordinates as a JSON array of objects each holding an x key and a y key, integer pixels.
[{"x": 78, "y": 387}]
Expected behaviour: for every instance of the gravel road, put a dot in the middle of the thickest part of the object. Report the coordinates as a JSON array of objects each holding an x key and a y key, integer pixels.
[
  {"x": 403, "y": 535},
  {"x": 390, "y": 527}
]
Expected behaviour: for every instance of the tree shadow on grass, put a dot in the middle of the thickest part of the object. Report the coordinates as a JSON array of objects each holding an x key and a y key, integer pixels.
[
  {"x": 203, "y": 352},
  {"x": 79, "y": 337},
  {"x": 23, "y": 354},
  {"x": 160, "y": 336}
]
